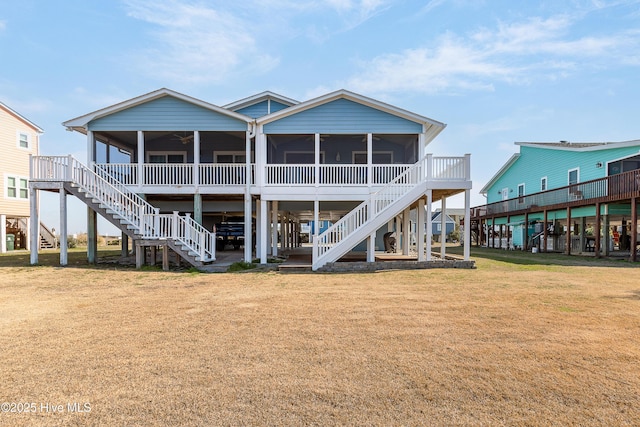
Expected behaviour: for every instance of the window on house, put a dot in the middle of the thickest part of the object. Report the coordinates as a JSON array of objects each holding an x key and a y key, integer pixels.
[
  {"x": 153, "y": 157},
  {"x": 574, "y": 176},
  {"x": 377, "y": 157},
  {"x": 543, "y": 184},
  {"x": 23, "y": 140},
  {"x": 230, "y": 157},
  {"x": 17, "y": 188},
  {"x": 520, "y": 190},
  {"x": 505, "y": 193}
]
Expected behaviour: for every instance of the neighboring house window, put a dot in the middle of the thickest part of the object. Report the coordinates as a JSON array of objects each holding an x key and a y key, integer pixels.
[
  {"x": 17, "y": 188},
  {"x": 543, "y": 184},
  {"x": 520, "y": 193},
  {"x": 574, "y": 176},
  {"x": 438, "y": 226},
  {"x": 165, "y": 157},
  {"x": 23, "y": 140}
]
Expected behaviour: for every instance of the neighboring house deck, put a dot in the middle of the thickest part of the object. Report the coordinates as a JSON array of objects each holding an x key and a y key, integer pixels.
[
  {"x": 571, "y": 214},
  {"x": 19, "y": 139},
  {"x": 171, "y": 167}
]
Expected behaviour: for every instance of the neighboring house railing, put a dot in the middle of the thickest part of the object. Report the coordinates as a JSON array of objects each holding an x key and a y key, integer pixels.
[{"x": 608, "y": 189}]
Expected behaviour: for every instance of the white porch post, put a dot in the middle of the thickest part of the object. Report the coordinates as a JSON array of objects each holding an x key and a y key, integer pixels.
[
  {"x": 406, "y": 231},
  {"x": 196, "y": 161},
  {"x": 274, "y": 228},
  {"x": 3, "y": 233},
  {"x": 63, "y": 227},
  {"x": 262, "y": 215},
  {"x": 91, "y": 149},
  {"x": 140, "y": 159},
  {"x": 369, "y": 159},
  {"x": 316, "y": 227},
  {"x": 34, "y": 218},
  {"x": 316, "y": 160},
  {"x": 429, "y": 225},
  {"x": 420, "y": 230},
  {"x": 443, "y": 228},
  {"x": 421, "y": 145},
  {"x": 467, "y": 225},
  {"x": 399, "y": 234}
]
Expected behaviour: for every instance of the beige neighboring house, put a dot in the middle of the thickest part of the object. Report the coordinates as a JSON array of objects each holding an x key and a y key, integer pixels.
[{"x": 19, "y": 138}]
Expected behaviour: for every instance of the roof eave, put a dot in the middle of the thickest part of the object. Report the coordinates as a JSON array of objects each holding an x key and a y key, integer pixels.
[
  {"x": 498, "y": 174},
  {"x": 83, "y": 121},
  {"x": 22, "y": 118}
]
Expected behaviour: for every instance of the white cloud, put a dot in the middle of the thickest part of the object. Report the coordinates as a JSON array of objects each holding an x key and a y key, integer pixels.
[
  {"x": 515, "y": 53},
  {"x": 3, "y": 25},
  {"x": 197, "y": 43}
]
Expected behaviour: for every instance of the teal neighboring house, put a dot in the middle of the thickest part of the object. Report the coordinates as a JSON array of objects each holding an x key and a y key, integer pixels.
[{"x": 565, "y": 197}]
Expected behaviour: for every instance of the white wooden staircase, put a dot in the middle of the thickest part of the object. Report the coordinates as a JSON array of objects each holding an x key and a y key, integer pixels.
[
  {"x": 126, "y": 210},
  {"x": 374, "y": 213}
]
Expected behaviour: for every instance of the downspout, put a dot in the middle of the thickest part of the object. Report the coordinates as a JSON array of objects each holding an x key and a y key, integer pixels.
[{"x": 251, "y": 133}]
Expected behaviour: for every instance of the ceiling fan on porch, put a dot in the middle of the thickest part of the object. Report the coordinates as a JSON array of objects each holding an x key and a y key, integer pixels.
[{"x": 185, "y": 139}]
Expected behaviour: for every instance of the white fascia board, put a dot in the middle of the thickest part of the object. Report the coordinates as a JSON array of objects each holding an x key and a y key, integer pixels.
[
  {"x": 254, "y": 99},
  {"x": 575, "y": 146},
  {"x": 345, "y": 94},
  {"x": 80, "y": 123},
  {"x": 502, "y": 170},
  {"x": 22, "y": 118}
]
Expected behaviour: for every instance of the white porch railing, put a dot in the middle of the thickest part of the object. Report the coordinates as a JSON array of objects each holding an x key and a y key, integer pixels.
[
  {"x": 225, "y": 174},
  {"x": 182, "y": 229},
  {"x": 128, "y": 206},
  {"x": 158, "y": 174}
]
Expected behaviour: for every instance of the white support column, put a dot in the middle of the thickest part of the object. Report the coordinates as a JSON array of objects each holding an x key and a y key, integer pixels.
[
  {"x": 263, "y": 230},
  {"x": 92, "y": 236},
  {"x": 406, "y": 231},
  {"x": 274, "y": 228},
  {"x": 467, "y": 225},
  {"x": 140, "y": 160},
  {"x": 63, "y": 227},
  {"x": 420, "y": 231},
  {"x": 371, "y": 247},
  {"x": 34, "y": 219},
  {"x": 421, "y": 145},
  {"x": 399, "y": 233},
  {"x": 316, "y": 228},
  {"x": 429, "y": 226},
  {"x": 248, "y": 235},
  {"x": 196, "y": 159},
  {"x": 443, "y": 228},
  {"x": 3, "y": 233}
]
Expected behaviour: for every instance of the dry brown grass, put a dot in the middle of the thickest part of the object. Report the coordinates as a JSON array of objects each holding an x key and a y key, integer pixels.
[{"x": 502, "y": 344}]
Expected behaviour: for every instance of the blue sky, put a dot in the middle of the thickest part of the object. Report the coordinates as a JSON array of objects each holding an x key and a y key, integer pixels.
[{"x": 495, "y": 71}]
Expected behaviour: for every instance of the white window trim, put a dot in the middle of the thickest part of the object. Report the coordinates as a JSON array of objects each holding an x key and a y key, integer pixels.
[
  {"x": 6, "y": 187},
  {"x": 354, "y": 153},
  {"x": 167, "y": 153},
  {"x": 577, "y": 176},
  {"x": 29, "y": 140},
  {"x": 286, "y": 153},
  {"x": 230, "y": 153},
  {"x": 546, "y": 183}
]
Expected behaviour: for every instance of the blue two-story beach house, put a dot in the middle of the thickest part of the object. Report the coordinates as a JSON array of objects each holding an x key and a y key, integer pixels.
[{"x": 169, "y": 169}]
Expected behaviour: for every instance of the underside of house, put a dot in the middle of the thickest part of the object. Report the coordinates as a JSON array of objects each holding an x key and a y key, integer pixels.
[
  {"x": 172, "y": 171},
  {"x": 598, "y": 217}
]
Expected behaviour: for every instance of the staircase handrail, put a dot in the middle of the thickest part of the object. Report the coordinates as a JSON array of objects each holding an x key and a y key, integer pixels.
[
  {"x": 47, "y": 235},
  {"x": 183, "y": 230},
  {"x": 379, "y": 201}
]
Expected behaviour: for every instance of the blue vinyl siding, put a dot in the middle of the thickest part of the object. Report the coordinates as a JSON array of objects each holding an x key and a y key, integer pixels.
[
  {"x": 342, "y": 116},
  {"x": 262, "y": 109},
  {"x": 256, "y": 110},
  {"x": 535, "y": 163},
  {"x": 167, "y": 113}
]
